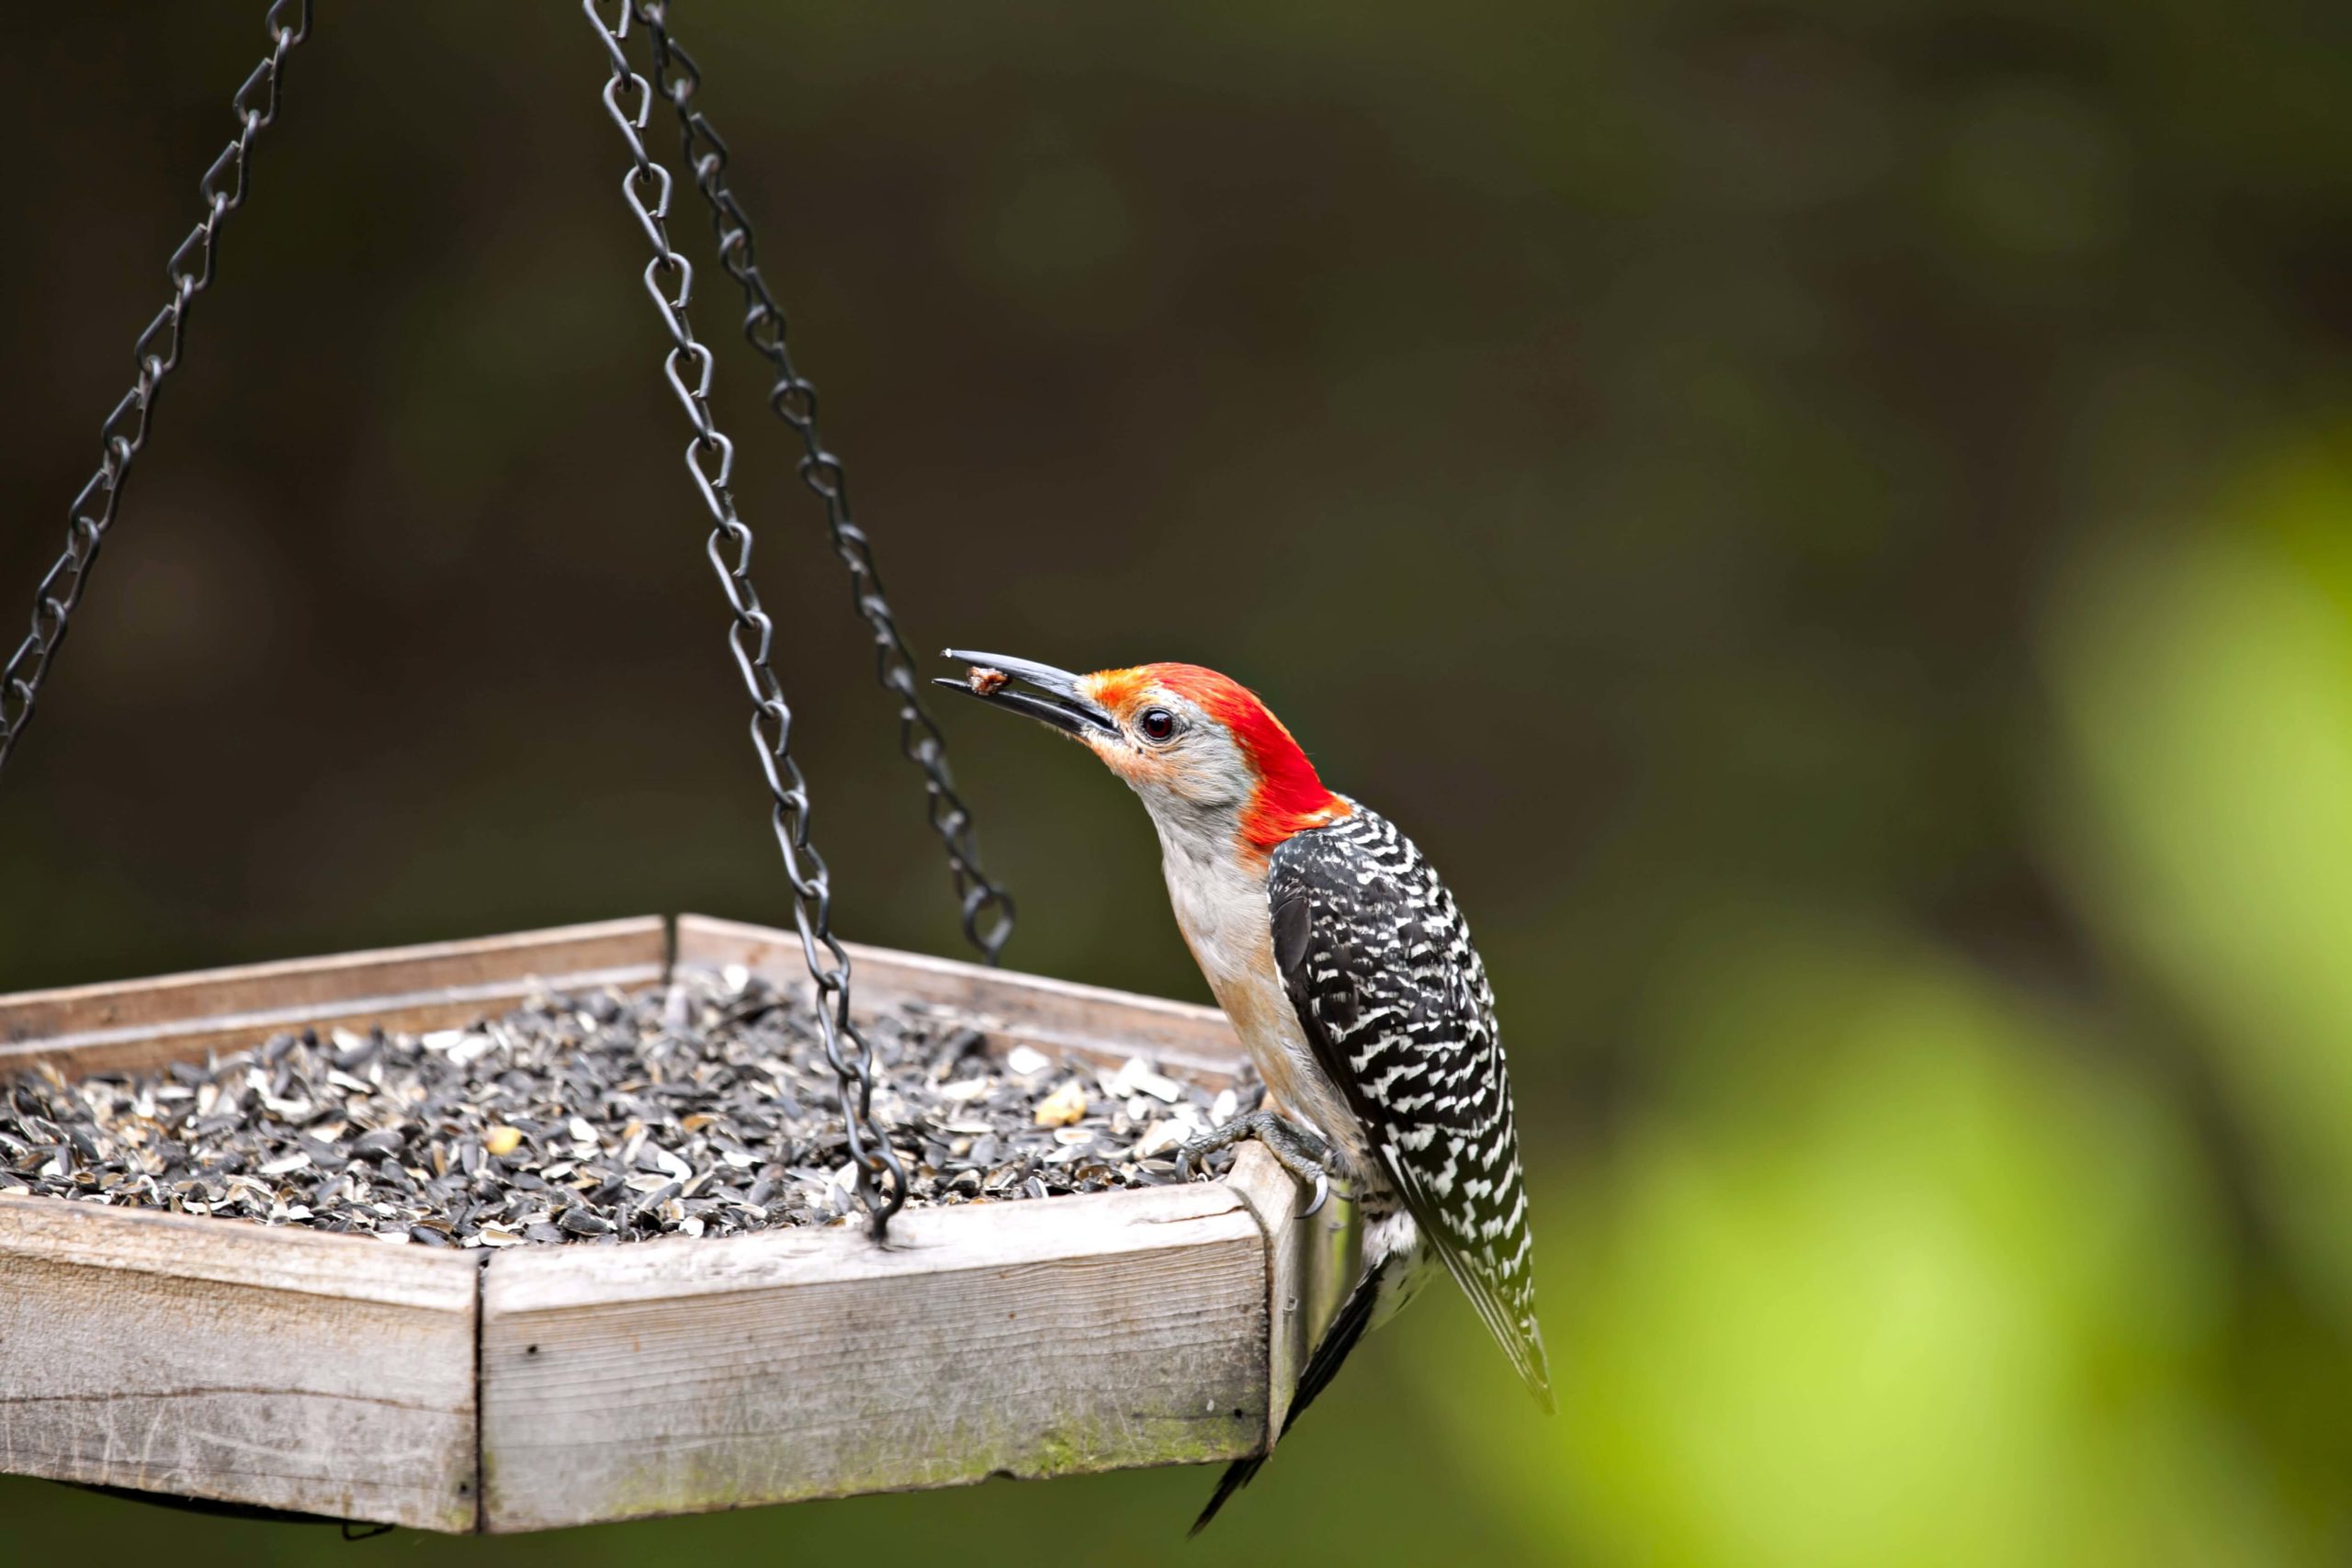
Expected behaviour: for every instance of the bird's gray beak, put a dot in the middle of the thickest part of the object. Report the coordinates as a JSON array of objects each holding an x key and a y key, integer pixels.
[{"x": 1063, "y": 703}]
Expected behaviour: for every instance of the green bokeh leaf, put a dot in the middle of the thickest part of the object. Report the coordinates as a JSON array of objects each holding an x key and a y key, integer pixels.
[
  {"x": 2203, "y": 678},
  {"x": 1894, "y": 1273}
]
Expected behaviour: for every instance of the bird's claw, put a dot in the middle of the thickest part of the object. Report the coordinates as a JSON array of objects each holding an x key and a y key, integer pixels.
[
  {"x": 1322, "y": 1194},
  {"x": 1295, "y": 1148}
]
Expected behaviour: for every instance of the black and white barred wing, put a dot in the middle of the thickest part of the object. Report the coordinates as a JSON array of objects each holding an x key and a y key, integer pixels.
[{"x": 1396, "y": 1006}]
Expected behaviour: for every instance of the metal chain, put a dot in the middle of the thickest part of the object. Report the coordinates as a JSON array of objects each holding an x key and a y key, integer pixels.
[
  {"x": 794, "y": 399},
  {"x": 710, "y": 459},
  {"x": 157, "y": 354}
]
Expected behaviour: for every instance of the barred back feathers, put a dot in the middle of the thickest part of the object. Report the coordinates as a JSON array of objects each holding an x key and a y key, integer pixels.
[{"x": 1396, "y": 1004}]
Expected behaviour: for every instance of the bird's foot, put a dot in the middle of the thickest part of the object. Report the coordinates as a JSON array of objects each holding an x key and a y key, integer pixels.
[{"x": 1303, "y": 1152}]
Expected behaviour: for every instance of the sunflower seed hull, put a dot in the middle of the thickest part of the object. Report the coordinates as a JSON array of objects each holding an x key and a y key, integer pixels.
[{"x": 702, "y": 1107}]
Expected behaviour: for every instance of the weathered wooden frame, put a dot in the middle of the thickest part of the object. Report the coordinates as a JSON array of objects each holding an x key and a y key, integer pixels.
[{"x": 536, "y": 1387}]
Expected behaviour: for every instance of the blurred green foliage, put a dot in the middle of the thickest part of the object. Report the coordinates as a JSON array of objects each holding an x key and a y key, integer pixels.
[{"x": 1832, "y": 522}]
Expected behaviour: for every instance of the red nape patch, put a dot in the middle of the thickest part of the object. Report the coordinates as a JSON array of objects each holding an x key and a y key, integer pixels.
[{"x": 1291, "y": 797}]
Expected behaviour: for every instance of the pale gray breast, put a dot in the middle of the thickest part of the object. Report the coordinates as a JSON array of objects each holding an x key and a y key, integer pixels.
[{"x": 1223, "y": 913}]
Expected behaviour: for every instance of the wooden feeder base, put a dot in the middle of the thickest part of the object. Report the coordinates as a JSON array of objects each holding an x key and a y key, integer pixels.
[{"x": 536, "y": 1387}]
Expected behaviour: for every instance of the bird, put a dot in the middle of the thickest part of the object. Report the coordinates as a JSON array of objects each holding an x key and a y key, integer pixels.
[{"x": 1347, "y": 970}]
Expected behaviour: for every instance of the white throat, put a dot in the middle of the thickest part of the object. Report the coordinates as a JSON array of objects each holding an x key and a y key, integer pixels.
[{"x": 1219, "y": 897}]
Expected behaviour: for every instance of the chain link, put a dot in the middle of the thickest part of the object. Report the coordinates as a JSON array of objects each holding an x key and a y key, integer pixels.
[
  {"x": 157, "y": 354},
  {"x": 987, "y": 908},
  {"x": 710, "y": 459}
]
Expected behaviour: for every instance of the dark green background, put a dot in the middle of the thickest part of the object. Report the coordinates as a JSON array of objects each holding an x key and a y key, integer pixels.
[{"x": 1831, "y": 521}]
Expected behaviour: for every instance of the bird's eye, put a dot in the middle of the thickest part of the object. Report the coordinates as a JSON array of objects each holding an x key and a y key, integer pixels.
[{"x": 1156, "y": 724}]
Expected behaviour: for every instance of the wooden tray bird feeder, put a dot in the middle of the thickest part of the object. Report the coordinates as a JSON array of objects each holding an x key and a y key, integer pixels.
[
  {"x": 548, "y": 1384},
  {"x": 541, "y": 1386}
]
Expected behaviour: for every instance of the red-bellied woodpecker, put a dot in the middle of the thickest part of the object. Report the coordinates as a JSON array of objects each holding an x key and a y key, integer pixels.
[{"x": 1346, "y": 969}]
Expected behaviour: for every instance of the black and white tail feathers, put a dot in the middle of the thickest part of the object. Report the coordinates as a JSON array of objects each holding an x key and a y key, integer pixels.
[{"x": 1354, "y": 1316}]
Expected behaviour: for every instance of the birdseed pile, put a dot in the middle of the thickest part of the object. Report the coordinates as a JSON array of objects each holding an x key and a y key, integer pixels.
[{"x": 703, "y": 1107}]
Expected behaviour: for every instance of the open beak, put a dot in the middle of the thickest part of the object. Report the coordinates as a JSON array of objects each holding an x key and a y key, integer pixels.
[{"x": 1058, "y": 700}]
